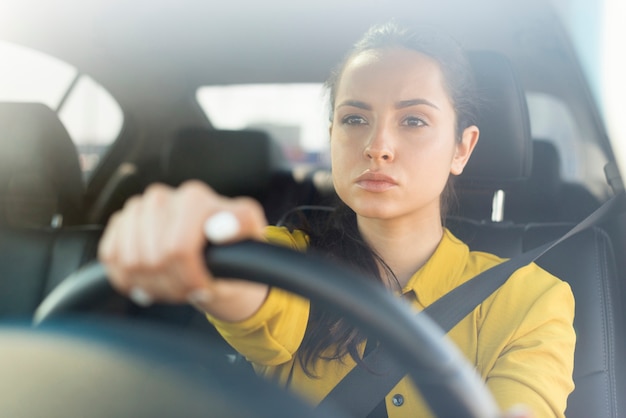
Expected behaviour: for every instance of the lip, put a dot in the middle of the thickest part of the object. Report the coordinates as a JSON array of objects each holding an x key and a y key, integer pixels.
[{"x": 375, "y": 182}]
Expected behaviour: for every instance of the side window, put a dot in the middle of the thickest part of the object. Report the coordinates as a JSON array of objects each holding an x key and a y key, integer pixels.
[
  {"x": 90, "y": 114},
  {"x": 582, "y": 160},
  {"x": 550, "y": 120},
  {"x": 93, "y": 119}
]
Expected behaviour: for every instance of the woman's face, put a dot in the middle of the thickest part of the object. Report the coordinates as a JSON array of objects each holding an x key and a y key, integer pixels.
[{"x": 393, "y": 139}]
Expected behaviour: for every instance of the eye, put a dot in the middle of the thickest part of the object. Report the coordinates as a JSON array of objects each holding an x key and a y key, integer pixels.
[
  {"x": 413, "y": 121},
  {"x": 354, "y": 120}
]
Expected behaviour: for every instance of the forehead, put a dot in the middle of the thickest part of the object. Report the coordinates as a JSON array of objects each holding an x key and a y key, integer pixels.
[{"x": 396, "y": 72}]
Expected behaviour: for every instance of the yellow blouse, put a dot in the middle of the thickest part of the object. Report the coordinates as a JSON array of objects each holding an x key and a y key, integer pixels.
[{"x": 520, "y": 339}]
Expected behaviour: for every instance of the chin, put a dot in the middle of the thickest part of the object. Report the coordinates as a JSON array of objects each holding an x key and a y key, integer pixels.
[{"x": 374, "y": 210}]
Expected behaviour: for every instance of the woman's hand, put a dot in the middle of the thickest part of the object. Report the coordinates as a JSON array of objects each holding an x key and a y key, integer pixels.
[{"x": 153, "y": 248}]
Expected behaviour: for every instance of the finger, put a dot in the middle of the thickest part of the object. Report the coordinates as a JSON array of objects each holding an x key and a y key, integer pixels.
[
  {"x": 518, "y": 411},
  {"x": 106, "y": 246},
  {"x": 157, "y": 287},
  {"x": 222, "y": 227},
  {"x": 183, "y": 239},
  {"x": 251, "y": 217},
  {"x": 161, "y": 220},
  {"x": 106, "y": 256},
  {"x": 138, "y": 295},
  {"x": 151, "y": 220},
  {"x": 240, "y": 218},
  {"x": 108, "y": 250},
  {"x": 128, "y": 237},
  {"x": 236, "y": 219}
]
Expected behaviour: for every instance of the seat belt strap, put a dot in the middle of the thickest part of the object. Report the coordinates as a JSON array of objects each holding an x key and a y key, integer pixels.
[{"x": 363, "y": 388}]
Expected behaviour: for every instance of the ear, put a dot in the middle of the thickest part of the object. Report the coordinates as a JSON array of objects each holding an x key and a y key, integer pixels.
[{"x": 464, "y": 149}]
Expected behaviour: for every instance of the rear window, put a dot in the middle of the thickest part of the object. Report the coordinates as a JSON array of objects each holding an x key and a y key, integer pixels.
[{"x": 295, "y": 115}]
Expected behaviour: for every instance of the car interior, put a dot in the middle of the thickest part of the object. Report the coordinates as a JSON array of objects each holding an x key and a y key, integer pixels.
[{"x": 511, "y": 198}]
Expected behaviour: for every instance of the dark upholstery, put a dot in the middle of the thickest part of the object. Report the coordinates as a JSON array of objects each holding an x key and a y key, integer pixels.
[
  {"x": 34, "y": 260},
  {"x": 502, "y": 159},
  {"x": 586, "y": 261},
  {"x": 41, "y": 193},
  {"x": 234, "y": 163},
  {"x": 503, "y": 155},
  {"x": 40, "y": 176}
]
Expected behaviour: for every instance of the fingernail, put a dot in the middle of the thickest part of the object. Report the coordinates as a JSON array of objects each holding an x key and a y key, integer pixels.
[
  {"x": 518, "y": 411},
  {"x": 199, "y": 297},
  {"x": 221, "y": 227},
  {"x": 140, "y": 296}
]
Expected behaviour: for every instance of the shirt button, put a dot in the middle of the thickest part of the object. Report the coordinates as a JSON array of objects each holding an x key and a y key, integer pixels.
[{"x": 397, "y": 399}]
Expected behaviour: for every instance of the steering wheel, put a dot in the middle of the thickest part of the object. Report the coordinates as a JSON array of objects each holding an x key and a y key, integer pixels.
[{"x": 431, "y": 360}]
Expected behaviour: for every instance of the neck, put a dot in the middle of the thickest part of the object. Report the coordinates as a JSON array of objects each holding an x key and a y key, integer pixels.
[{"x": 404, "y": 244}]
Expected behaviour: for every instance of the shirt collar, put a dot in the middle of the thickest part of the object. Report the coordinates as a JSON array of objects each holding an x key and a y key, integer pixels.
[{"x": 441, "y": 273}]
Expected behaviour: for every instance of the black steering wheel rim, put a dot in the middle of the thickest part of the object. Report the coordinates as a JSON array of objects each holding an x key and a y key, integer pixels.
[{"x": 422, "y": 346}]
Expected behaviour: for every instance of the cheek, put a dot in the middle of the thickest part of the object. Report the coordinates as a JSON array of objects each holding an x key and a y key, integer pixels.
[
  {"x": 343, "y": 160},
  {"x": 338, "y": 161},
  {"x": 342, "y": 152},
  {"x": 430, "y": 165}
]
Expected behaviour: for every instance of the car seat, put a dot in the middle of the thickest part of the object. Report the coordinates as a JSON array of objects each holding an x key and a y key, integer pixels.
[
  {"x": 234, "y": 163},
  {"x": 42, "y": 187},
  {"x": 41, "y": 192}
]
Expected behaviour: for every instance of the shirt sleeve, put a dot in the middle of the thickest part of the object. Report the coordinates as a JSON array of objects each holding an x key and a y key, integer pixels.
[
  {"x": 535, "y": 360},
  {"x": 273, "y": 334}
]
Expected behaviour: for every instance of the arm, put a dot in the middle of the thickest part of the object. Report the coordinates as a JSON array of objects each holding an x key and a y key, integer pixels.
[{"x": 529, "y": 343}]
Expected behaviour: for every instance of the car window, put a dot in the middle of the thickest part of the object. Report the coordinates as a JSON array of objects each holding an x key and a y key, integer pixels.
[
  {"x": 552, "y": 121},
  {"x": 91, "y": 116},
  {"x": 295, "y": 115}
]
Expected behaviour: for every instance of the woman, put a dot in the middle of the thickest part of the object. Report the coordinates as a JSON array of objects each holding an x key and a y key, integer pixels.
[{"x": 402, "y": 121}]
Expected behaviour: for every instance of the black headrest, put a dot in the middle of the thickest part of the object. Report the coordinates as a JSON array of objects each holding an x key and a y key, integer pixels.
[
  {"x": 234, "y": 163},
  {"x": 546, "y": 165},
  {"x": 40, "y": 176},
  {"x": 504, "y": 151}
]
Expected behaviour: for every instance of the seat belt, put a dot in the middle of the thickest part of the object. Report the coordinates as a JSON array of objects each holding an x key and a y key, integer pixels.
[{"x": 361, "y": 390}]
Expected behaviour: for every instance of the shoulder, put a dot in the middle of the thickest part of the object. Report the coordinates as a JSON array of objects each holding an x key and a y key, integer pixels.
[
  {"x": 532, "y": 281},
  {"x": 527, "y": 280},
  {"x": 528, "y": 286},
  {"x": 529, "y": 299}
]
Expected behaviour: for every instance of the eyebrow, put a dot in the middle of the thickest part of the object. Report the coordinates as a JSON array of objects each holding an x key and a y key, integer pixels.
[
  {"x": 414, "y": 102},
  {"x": 355, "y": 103},
  {"x": 399, "y": 105}
]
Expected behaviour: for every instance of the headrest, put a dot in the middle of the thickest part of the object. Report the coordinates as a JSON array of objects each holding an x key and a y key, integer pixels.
[
  {"x": 546, "y": 172},
  {"x": 40, "y": 177},
  {"x": 234, "y": 163},
  {"x": 503, "y": 154}
]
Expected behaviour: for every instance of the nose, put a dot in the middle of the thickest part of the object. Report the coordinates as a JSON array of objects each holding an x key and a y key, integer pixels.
[{"x": 379, "y": 146}]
